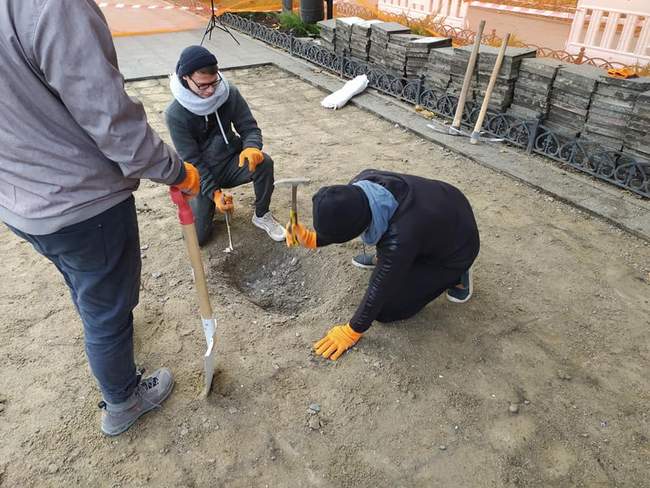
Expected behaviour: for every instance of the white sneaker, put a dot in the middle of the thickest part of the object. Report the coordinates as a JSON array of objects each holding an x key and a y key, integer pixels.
[{"x": 270, "y": 225}]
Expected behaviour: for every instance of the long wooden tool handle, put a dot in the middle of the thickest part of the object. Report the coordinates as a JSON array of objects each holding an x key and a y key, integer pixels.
[
  {"x": 194, "y": 252},
  {"x": 468, "y": 77},
  {"x": 186, "y": 219},
  {"x": 490, "y": 88}
]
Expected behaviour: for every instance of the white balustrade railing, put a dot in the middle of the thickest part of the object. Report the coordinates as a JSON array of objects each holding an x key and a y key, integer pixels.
[
  {"x": 615, "y": 30},
  {"x": 453, "y": 11}
]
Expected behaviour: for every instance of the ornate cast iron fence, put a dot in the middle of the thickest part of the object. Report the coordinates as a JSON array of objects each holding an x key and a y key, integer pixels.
[{"x": 615, "y": 167}]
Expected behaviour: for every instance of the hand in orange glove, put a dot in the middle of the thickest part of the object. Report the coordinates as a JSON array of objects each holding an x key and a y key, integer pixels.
[
  {"x": 191, "y": 185},
  {"x": 251, "y": 155},
  {"x": 223, "y": 202},
  {"x": 306, "y": 238},
  {"x": 339, "y": 339}
]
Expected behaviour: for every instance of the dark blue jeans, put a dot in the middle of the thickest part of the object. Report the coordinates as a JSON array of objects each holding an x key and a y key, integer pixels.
[{"x": 100, "y": 261}]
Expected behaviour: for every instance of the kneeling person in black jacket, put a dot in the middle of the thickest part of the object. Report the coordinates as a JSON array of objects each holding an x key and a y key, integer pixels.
[
  {"x": 201, "y": 119},
  {"x": 425, "y": 236}
]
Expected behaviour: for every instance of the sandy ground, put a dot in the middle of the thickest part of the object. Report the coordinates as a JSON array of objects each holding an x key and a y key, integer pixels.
[{"x": 558, "y": 328}]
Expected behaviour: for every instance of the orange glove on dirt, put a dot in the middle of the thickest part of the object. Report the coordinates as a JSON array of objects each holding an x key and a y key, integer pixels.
[
  {"x": 339, "y": 339},
  {"x": 251, "y": 155},
  {"x": 306, "y": 238},
  {"x": 223, "y": 202},
  {"x": 191, "y": 185}
]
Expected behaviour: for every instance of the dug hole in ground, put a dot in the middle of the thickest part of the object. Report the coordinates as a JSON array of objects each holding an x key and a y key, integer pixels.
[{"x": 541, "y": 380}]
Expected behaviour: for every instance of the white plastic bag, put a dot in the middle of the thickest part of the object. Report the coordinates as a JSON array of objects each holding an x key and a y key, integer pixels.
[{"x": 341, "y": 96}]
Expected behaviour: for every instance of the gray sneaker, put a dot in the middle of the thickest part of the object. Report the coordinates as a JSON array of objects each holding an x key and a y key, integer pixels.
[
  {"x": 270, "y": 225},
  {"x": 149, "y": 394}
]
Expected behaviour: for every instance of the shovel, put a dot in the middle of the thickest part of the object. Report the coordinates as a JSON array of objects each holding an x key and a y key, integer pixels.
[{"x": 186, "y": 219}]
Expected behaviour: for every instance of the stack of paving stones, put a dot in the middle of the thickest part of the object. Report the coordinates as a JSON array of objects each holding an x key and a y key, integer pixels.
[
  {"x": 328, "y": 33},
  {"x": 417, "y": 53},
  {"x": 396, "y": 51},
  {"x": 610, "y": 111},
  {"x": 533, "y": 88},
  {"x": 437, "y": 71},
  {"x": 360, "y": 40},
  {"x": 344, "y": 33},
  {"x": 380, "y": 33},
  {"x": 637, "y": 135},
  {"x": 570, "y": 98},
  {"x": 504, "y": 88}
]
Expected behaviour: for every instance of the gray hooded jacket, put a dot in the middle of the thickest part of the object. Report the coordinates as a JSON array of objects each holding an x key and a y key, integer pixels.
[{"x": 72, "y": 143}]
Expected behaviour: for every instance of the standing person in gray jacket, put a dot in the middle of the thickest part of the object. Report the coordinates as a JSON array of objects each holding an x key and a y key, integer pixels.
[
  {"x": 201, "y": 119},
  {"x": 73, "y": 148}
]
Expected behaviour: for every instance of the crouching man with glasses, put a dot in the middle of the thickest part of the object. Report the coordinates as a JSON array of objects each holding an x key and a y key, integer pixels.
[{"x": 202, "y": 120}]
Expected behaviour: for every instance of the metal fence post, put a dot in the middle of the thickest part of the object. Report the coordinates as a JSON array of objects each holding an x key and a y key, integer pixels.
[
  {"x": 533, "y": 134},
  {"x": 420, "y": 89},
  {"x": 291, "y": 44}
]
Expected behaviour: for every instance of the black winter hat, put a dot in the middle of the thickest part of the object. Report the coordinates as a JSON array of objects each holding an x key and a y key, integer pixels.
[
  {"x": 340, "y": 213},
  {"x": 194, "y": 58}
]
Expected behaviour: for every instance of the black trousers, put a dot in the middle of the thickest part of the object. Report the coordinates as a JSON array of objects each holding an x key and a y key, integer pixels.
[
  {"x": 99, "y": 259},
  {"x": 424, "y": 283},
  {"x": 231, "y": 176}
]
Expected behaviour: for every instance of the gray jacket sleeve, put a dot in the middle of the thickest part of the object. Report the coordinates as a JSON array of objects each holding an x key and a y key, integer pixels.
[{"x": 74, "y": 50}]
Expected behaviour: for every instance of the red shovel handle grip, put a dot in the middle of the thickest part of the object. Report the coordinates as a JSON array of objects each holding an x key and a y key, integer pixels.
[{"x": 185, "y": 215}]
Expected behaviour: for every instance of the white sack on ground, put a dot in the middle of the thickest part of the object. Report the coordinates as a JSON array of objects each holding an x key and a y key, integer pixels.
[{"x": 340, "y": 97}]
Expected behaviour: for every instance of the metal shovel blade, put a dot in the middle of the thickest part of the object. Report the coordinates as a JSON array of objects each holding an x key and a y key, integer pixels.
[{"x": 210, "y": 330}]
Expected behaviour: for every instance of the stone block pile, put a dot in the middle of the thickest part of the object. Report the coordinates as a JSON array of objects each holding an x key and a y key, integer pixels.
[
  {"x": 611, "y": 111},
  {"x": 328, "y": 34},
  {"x": 571, "y": 97},
  {"x": 418, "y": 51},
  {"x": 637, "y": 135},
  {"x": 532, "y": 95},
  {"x": 360, "y": 40},
  {"x": 396, "y": 51},
  {"x": 504, "y": 89},
  {"x": 344, "y": 33},
  {"x": 380, "y": 33},
  {"x": 437, "y": 71}
]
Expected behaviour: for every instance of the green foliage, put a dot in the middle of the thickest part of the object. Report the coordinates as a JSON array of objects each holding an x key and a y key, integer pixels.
[{"x": 292, "y": 22}]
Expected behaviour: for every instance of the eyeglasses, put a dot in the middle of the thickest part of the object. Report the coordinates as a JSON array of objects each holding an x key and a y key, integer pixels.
[{"x": 205, "y": 86}]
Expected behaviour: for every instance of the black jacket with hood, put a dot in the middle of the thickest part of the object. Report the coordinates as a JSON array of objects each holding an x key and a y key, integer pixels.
[{"x": 433, "y": 226}]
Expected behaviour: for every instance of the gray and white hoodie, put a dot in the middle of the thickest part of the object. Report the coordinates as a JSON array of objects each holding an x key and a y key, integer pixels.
[{"x": 211, "y": 138}]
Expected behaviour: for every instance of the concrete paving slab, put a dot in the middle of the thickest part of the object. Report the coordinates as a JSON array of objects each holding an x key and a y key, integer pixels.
[{"x": 156, "y": 55}]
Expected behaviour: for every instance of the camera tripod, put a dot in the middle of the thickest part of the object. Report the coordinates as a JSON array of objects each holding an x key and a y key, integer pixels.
[{"x": 215, "y": 23}]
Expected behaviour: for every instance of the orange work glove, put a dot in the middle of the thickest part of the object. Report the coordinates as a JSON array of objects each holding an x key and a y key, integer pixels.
[
  {"x": 191, "y": 185},
  {"x": 306, "y": 238},
  {"x": 251, "y": 155},
  {"x": 223, "y": 202},
  {"x": 339, "y": 339}
]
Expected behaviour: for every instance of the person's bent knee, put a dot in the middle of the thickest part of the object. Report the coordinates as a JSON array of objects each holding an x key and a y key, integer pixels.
[
  {"x": 394, "y": 314},
  {"x": 267, "y": 164}
]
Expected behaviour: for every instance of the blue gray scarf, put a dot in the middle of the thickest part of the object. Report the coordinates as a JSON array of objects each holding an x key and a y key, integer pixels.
[{"x": 382, "y": 206}]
